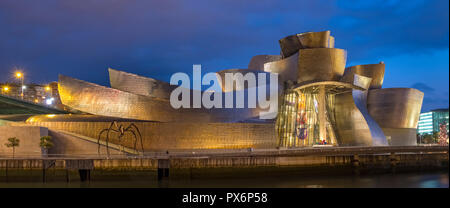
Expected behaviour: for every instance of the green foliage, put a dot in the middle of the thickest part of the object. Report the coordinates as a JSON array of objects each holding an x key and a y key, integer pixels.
[
  {"x": 12, "y": 142},
  {"x": 427, "y": 139},
  {"x": 46, "y": 142},
  {"x": 435, "y": 136}
]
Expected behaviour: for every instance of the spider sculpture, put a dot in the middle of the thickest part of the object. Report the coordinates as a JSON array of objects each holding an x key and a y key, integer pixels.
[{"x": 119, "y": 128}]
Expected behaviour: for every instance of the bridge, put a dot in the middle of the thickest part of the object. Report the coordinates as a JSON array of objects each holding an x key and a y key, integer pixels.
[{"x": 10, "y": 105}]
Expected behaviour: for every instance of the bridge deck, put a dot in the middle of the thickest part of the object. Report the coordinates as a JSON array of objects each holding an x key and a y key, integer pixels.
[{"x": 10, "y": 105}]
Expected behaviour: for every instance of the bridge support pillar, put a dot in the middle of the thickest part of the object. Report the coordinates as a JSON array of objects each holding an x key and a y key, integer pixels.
[
  {"x": 393, "y": 161},
  {"x": 85, "y": 175},
  {"x": 355, "y": 164},
  {"x": 163, "y": 168}
]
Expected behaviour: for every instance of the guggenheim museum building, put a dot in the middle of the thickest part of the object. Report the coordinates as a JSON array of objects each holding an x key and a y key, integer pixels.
[{"x": 321, "y": 102}]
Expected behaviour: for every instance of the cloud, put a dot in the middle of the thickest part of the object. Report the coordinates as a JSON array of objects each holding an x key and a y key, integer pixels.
[
  {"x": 157, "y": 38},
  {"x": 432, "y": 98},
  {"x": 423, "y": 87}
]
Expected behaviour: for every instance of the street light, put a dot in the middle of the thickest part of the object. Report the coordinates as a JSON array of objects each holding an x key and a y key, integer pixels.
[
  {"x": 19, "y": 75},
  {"x": 5, "y": 89}
]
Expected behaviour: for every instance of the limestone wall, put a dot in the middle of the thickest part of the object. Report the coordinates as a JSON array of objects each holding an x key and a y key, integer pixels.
[
  {"x": 162, "y": 136},
  {"x": 29, "y": 137},
  {"x": 401, "y": 136},
  {"x": 68, "y": 145}
]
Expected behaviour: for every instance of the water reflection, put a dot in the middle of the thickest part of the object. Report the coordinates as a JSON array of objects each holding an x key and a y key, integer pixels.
[{"x": 403, "y": 180}]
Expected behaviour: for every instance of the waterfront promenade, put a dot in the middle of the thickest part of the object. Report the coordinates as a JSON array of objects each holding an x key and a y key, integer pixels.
[{"x": 313, "y": 156}]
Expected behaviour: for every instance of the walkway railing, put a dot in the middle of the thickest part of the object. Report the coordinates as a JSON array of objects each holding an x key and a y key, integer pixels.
[{"x": 248, "y": 152}]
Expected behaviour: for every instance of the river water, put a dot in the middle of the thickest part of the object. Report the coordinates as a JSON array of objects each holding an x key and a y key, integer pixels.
[{"x": 398, "y": 180}]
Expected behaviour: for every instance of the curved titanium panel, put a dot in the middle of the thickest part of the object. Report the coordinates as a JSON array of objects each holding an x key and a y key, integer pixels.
[
  {"x": 395, "y": 107},
  {"x": 291, "y": 44},
  {"x": 140, "y": 85},
  {"x": 240, "y": 86},
  {"x": 99, "y": 100},
  {"x": 335, "y": 87},
  {"x": 374, "y": 71},
  {"x": 144, "y": 86},
  {"x": 77, "y": 118},
  {"x": 286, "y": 69},
  {"x": 257, "y": 62},
  {"x": 355, "y": 126},
  {"x": 316, "y": 39},
  {"x": 135, "y": 84},
  {"x": 321, "y": 64}
]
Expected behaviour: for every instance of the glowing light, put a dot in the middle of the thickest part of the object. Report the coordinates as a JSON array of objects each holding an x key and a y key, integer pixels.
[
  {"x": 5, "y": 88},
  {"x": 19, "y": 74},
  {"x": 24, "y": 87},
  {"x": 47, "y": 88},
  {"x": 50, "y": 115},
  {"x": 36, "y": 100},
  {"x": 49, "y": 101}
]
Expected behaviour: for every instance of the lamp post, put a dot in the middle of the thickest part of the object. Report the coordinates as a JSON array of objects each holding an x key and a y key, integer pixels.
[
  {"x": 19, "y": 75},
  {"x": 5, "y": 90}
]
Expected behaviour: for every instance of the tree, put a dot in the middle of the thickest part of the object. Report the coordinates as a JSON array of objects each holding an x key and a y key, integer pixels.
[
  {"x": 46, "y": 143},
  {"x": 443, "y": 137},
  {"x": 435, "y": 136},
  {"x": 427, "y": 139},
  {"x": 13, "y": 142}
]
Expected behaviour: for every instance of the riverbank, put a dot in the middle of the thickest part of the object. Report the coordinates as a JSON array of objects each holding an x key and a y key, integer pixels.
[
  {"x": 146, "y": 179},
  {"x": 298, "y": 163}
]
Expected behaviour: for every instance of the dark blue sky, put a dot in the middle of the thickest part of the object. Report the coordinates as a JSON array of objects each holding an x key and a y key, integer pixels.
[{"x": 157, "y": 38}]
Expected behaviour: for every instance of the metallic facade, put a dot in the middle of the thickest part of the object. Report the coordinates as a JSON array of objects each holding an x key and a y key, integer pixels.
[
  {"x": 237, "y": 86},
  {"x": 99, "y": 100},
  {"x": 257, "y": 62},
  {"x": 307, "y": 114},
  {"x": 321, "y": 102},
  {"x": 397, "y": 110},
  {"x": 361, "y": 129},
  {"x": 356, "y": 120},
  {"x": 374, "y": 71},
  {"x": 291, "y": 44},
  {"x": 316, "y": 39},
  {"x": 285, "y": 68},
  {"x": 321, "y": 64},
  {"x": 139, "y": 85},
  {"x": 395, "y": 107}
]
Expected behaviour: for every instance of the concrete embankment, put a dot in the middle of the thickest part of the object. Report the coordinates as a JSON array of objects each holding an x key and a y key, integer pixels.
[{"x": 239, "y": 164}]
